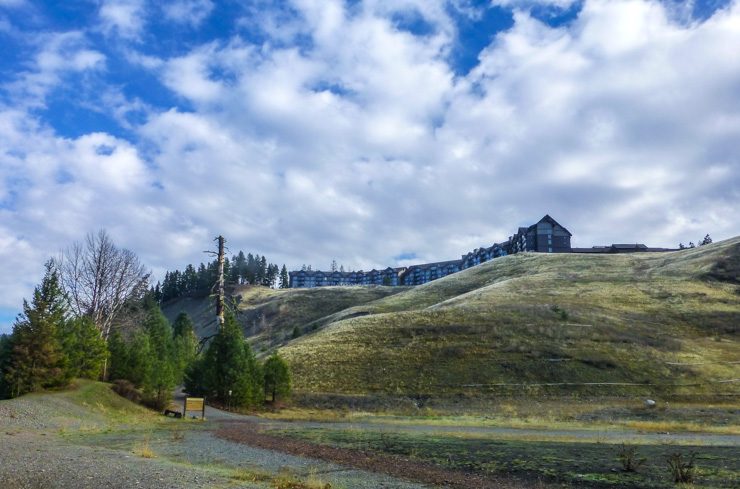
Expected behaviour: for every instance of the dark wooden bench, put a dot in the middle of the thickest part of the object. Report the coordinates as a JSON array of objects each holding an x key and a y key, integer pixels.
[{"x": 174, "y": 412}]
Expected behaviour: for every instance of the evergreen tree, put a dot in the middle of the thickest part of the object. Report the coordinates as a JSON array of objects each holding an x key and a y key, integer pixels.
[
  {"x": 261, "y": 277},
  {"x": 139, "y": 361},
  {"x": 277, "y": 377},
  {"x": 37, "y": 360},
  {"x": 707, "y": 240},
  {"x": 6, "y": 347},
  {"x": 227, "y": 267},
  {"x": 196, "y": 378},
  {"x": 203, "y": 284},
  {"x": 185, "y": 344},
  {"x": 84, "y": 348},
  {"x": 284, "y": 278},
  {"x": 162, "y": 376},
  {"x": 272, "y": 274},
  {"x": 251, "y": 270},
  {"x": 189, "y": 280},
  {"x": 333, "y": 267},
  {"x": 230, "y": 366},
  {"x": 118, "y": 357},
  {"x": 158, "y": 293},
  {"x": 240, "y": 267}
]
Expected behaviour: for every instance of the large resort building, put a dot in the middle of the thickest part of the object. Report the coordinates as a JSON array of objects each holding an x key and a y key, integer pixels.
[{"x": 545, "y": 236}]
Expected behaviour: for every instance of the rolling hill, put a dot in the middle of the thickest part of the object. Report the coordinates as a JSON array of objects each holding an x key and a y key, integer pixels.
[
  {"x": 561, "y": 324},
  {"x": 269, "y": 317},
  {"x": 649, "y": 323}
]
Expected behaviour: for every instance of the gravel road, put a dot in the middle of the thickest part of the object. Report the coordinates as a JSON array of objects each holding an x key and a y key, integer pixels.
[{"x": 41, "y": 449}]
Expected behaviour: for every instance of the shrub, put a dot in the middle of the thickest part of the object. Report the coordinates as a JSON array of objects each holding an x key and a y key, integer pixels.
[
  {"x": 682, "y": 471},
  {"x": 296, "y": 332},
  {"x": 629, "y": 459},
  {"x": 126, "y": 389}
]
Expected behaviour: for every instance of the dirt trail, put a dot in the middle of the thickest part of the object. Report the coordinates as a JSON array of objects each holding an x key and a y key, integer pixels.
[{"x": 247, "y": 432}]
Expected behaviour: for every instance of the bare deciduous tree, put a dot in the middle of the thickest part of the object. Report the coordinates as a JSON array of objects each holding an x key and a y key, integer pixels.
[{"x": 99, "y": 278}]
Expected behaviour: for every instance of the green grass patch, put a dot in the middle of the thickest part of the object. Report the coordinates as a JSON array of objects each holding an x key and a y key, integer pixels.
[{"x": 592, "y": 464}]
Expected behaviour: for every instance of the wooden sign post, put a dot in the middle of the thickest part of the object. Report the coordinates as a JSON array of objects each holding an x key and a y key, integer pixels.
[{"x": 195, "y": 404}]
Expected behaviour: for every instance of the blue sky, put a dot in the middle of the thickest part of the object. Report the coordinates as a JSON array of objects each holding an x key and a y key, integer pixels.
[{"x": 371, "y": 132}]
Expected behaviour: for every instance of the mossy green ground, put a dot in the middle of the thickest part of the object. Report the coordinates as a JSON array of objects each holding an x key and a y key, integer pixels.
[{"x": 541, "y": 324}]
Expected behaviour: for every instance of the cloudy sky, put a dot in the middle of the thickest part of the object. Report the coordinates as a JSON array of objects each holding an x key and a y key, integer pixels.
[{"x": 376, "y": 132}]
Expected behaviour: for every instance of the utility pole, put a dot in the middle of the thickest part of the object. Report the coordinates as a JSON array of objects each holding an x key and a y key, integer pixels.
[{"x": 220, "y": 296}]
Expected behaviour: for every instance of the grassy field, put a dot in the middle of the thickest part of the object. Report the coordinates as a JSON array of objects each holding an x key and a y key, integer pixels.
[
  {"x": 546, "y": 414},
  {"x": 581, "y": 326},
  {"x": 585, "y": 464}
]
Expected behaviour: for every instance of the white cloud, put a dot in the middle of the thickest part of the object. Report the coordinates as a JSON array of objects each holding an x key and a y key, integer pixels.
[
  {"x": 192, "y": 12},
  {"x": 532, "y": 3},
  {"x": 361, "y": 143},
  {"x": 13, "y": 3},
  {"x": 125, "y": 18},
  {"x": 58, "y": 54}
]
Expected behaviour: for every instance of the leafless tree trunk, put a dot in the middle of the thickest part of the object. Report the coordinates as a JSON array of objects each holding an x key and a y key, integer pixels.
[
  {"x": 220, "y": 297},
  {"x": 99, "y": 278}
]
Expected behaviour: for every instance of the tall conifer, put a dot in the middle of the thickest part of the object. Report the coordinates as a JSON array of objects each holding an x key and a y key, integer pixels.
[{"x": 37, "y": 360}]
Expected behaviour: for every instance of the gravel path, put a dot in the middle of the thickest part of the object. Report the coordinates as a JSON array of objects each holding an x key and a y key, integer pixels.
[
  {"x": 32, "y": 460},
  {"x": 41, "y": 448}
]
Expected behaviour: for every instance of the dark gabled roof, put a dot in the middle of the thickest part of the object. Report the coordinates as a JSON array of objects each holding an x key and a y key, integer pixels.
[
  {"x": 629, "y": 246},
  {"x": 551, "y": 221}
]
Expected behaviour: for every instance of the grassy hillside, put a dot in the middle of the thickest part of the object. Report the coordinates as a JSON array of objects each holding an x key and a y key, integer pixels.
[
  {"x": 669, "y": 321},
  {"x": 270, "y": 316},
  {"x": 86, "y": 406}
]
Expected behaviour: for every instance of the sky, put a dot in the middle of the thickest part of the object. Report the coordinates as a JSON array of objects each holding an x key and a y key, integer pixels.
[{"x": 377, "y": 133}]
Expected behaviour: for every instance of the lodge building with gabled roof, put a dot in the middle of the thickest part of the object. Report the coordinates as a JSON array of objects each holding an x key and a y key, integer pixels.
[{"x": 545, "y": 236}]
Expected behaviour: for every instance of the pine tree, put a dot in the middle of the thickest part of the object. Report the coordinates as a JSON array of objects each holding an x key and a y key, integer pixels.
[
  {"x": 333, "y": 267},
  {"x": 84, "y": 348},
  {"x": 139, "y": 361},
  {"x": 227, "y": 268},
  {"x": 185, "y": 344},
  {"x": 277, "y": 377},
  {"x": 284, "y": 278},
  {"x": 37, "y": 360},
  {"x": 229, "y": 366},
  {"x": 261, "y": 278},
  {"x": 158, "y": 293},
  {"x": 162, "y": 376},
  {"x": 203, "y": 286},
  {"x": 189, "y": 280},
  {"x": 118, "y": 358},
  {"x": 251, "y": 270},
  {"x": 6, "y": 347}
]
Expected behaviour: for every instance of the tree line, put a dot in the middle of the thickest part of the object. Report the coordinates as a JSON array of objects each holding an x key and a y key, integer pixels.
[
  {"x": 93, "y": 316},
  {"x": 241, "y": 269},
  {"x": 707, "y": 240}
]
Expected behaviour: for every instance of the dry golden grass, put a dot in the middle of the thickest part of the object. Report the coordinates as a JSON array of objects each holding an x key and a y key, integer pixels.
[
  {"x": 651, "y": 325},
  {"x": 143, "y": 450}
]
